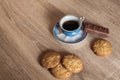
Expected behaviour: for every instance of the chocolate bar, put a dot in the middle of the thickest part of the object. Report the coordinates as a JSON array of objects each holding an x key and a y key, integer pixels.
[{"x": 96, "y": 30}]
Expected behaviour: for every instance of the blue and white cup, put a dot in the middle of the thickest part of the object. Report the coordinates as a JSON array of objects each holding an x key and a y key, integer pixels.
[{"x": 74, "y": 25}]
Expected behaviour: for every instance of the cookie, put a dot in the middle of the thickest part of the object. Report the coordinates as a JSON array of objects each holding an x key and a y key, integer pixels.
[
  {"x": 60, "y": 72},
  {"x": 50, "y": 59},
  {"x": 102, "y": 47},
  {"x": 72, "y": 63}
]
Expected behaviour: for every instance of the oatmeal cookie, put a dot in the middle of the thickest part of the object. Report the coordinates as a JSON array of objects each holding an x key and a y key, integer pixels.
[
  {"x": 72, "y": 63},
  {"x": 50, "y": 59},
  {"x": 60, "y": 72},
  {"x": 102, "y": 47}
]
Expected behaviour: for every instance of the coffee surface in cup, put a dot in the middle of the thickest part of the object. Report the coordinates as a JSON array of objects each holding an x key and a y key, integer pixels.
[{"x": 70, "y": 25}]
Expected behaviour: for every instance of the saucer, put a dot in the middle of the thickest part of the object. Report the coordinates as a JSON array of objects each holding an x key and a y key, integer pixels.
[{"x": 66, "y": 39}]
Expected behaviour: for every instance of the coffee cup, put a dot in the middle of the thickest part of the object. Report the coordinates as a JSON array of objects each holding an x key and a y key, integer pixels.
[{"x": 70, "y": 25}]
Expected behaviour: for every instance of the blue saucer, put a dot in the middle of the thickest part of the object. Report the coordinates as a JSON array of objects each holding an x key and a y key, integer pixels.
[{"x": 66, "y": 39}]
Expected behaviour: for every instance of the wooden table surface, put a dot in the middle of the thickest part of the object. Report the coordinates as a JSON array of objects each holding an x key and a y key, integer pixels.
[{"x": 26, "y": 32}]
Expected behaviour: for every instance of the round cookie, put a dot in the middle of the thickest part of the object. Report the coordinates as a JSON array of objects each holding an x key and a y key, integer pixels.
[
  {"x": 50, "y": 59},
  {"x": 72, "y": 63},
  {"x": 60, "y": 72},
  {"x": 102, "y": 47}
]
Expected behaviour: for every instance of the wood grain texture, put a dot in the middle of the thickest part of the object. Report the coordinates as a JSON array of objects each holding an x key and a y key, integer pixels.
[{"x": 26, "y": 32}]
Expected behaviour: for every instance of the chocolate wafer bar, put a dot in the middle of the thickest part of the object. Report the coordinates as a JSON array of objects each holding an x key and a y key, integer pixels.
[{"x": 96, "y": 30}]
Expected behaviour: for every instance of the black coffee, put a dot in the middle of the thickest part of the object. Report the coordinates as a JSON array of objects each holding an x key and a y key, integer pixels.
[{"x": 70, "y": 25}]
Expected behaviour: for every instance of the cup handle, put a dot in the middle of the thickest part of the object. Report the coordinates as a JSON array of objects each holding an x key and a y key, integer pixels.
[{"x": 82, "y": 18}]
